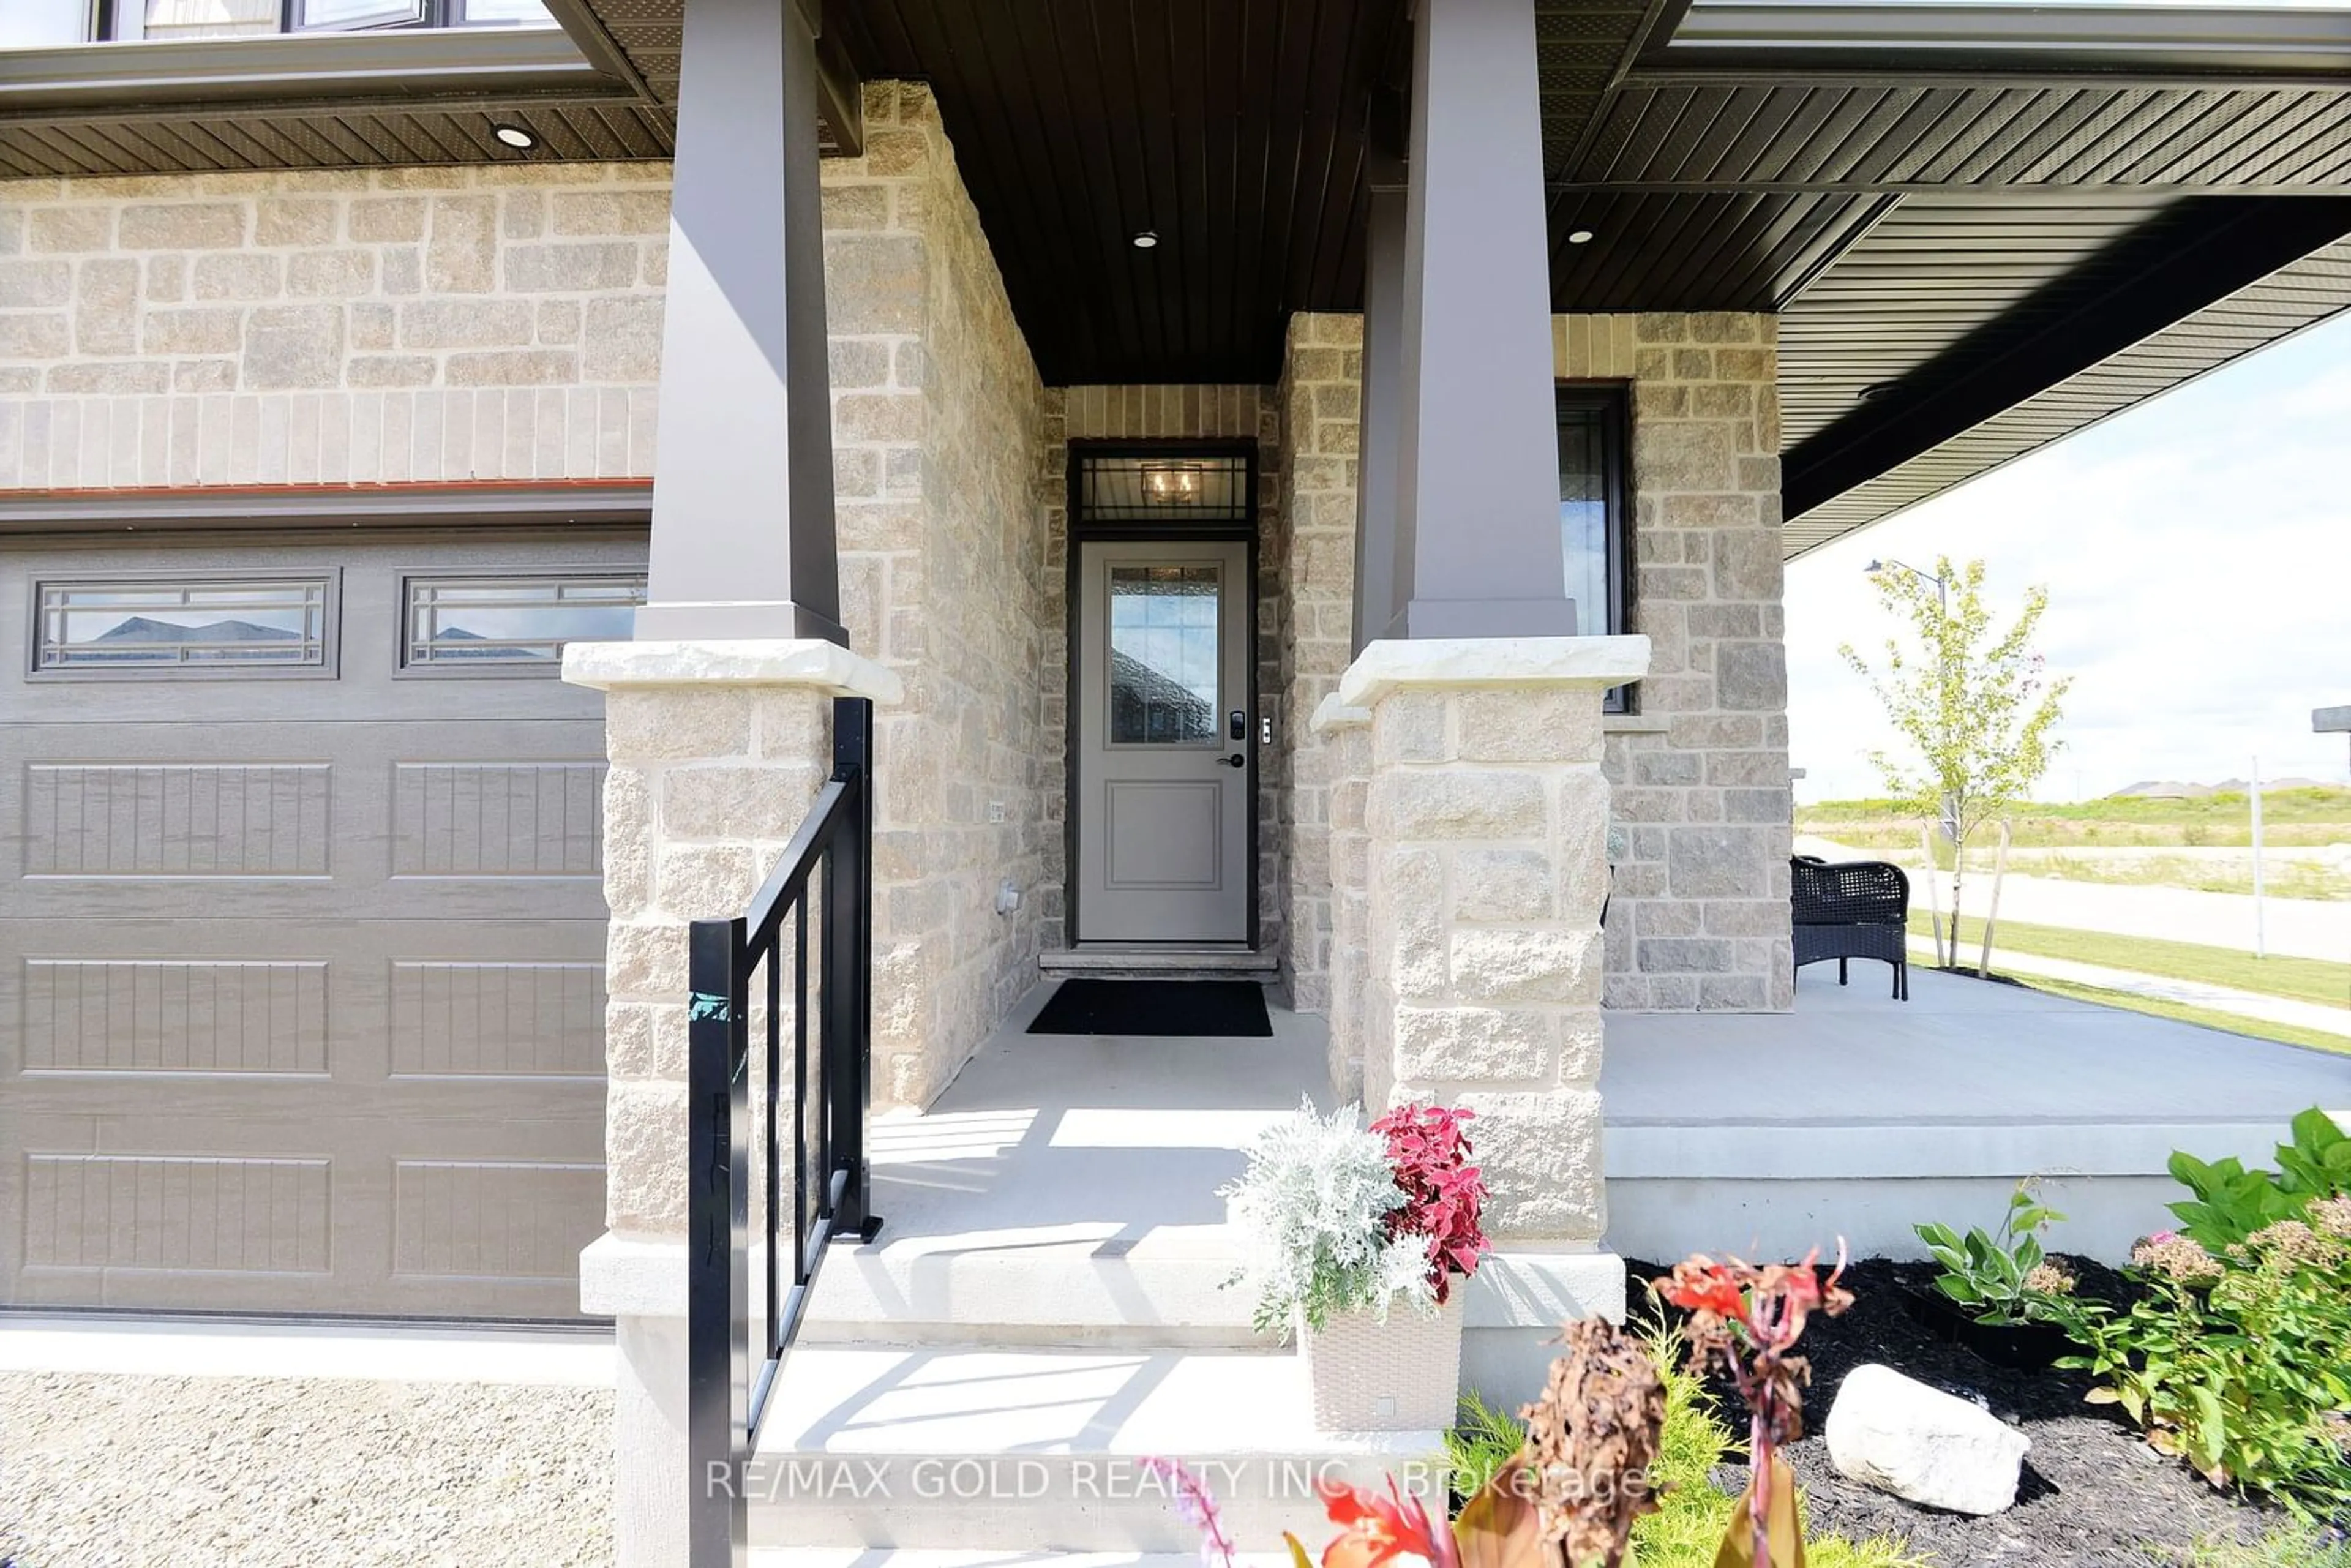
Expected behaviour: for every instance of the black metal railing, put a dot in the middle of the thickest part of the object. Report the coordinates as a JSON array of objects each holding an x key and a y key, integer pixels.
[{"x": 739, "y": 1098}]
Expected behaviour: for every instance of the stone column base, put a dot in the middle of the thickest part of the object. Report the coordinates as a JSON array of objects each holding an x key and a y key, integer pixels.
[
  {"x": 717, "y": 749},
  {"x": 1486, "y": 821}
]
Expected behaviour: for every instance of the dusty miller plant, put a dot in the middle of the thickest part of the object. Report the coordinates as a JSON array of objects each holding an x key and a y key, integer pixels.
[
  {"x": 1312, "y": 1207},
  {"x": 1972, "y": 705}
]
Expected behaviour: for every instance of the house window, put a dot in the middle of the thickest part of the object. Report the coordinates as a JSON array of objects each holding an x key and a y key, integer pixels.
[
  {"x": 496, "y": 623},
  {"x": 207, "y": 625},
  {"x": 1593, "y": 529},
  {"x": 1173, "y": 488},
  {"x": 165, "y": 19}
]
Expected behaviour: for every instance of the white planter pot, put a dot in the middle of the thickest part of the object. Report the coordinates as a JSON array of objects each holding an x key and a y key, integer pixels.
[{"x": 1401, "y": 1375}]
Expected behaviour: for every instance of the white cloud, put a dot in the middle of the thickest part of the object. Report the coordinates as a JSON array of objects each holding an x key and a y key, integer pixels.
[{"x": 2198, "y": 556}]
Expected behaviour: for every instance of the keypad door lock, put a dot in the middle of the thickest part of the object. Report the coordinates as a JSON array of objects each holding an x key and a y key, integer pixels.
[{"x": 1237, "y": 724}]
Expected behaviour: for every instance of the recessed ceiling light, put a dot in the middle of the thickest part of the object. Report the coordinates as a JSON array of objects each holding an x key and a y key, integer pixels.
[
  {"x": 1581, "y": 236},
  {"x": 515, "y": 137},
  {"x": 1146, "y": 240},
  {"x": 1874, "y": 390}
]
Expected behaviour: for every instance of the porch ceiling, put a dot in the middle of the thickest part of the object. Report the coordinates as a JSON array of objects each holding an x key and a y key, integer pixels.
[{"x": 1971, "y": 207}]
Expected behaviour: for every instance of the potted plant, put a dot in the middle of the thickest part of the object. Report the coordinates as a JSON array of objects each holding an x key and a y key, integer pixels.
[
  {"x": 1990, "y": 1297},
  {"x": 1344, "y": 1225}
]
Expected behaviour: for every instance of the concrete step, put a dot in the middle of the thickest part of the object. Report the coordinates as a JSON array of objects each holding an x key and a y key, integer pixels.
[
  {"x": 1077, "y": 1287},
  {"x": 961, "y": 1450}
]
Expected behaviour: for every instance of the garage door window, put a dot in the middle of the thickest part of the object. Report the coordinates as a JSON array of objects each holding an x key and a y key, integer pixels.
[
  {"x": 195, "y": 626},
  {"x": 504, "y": 624}
]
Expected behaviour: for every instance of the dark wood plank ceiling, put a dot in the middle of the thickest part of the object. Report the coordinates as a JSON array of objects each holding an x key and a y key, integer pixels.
[{"x": 1234, "y": 130}]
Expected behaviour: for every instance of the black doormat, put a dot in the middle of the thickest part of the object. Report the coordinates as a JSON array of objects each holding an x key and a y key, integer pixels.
[{"x": 1155, "y": 1007}]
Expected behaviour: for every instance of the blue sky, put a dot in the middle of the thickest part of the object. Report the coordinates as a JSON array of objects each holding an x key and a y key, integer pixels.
[{"x": 2197, "y": 551}]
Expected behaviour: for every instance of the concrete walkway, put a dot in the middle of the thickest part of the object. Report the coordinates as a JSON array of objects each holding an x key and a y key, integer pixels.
[
  {"x": 2301, "y": 927},
  {"x": 157, "y": 1347},
  {"x": 2158, "y": 987}
]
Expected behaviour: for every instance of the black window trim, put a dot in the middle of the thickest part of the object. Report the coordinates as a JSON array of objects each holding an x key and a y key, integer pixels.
[{"x": 1610, "y": 400}]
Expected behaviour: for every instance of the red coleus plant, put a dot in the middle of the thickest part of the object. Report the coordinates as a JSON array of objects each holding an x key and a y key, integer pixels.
[{"x": 1444, "y": 1194}]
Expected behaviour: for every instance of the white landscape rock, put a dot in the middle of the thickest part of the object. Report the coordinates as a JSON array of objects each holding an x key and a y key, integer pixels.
[{"x": 1924, "y": 1446}]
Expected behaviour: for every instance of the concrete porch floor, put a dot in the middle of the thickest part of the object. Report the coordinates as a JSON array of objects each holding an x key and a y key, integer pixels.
[
  {"x": 1067, "y": 1182},
  {"x": 1859, "y": 1115}
]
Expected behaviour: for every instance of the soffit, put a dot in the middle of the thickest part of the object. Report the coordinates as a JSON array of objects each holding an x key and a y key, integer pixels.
[{"x": 2300, "y": 295}]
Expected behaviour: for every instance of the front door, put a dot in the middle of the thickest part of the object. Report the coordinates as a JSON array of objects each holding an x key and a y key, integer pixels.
[{"x": 1162, "y": 727}]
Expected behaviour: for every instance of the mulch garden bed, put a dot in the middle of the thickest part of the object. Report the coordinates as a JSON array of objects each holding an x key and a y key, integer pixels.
[{"x": 2093, "y": 1491}]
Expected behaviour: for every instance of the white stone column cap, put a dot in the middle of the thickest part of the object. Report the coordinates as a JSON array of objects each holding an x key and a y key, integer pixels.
[
  {"x": 1330, "y": 713},
  {"x": 744, "y": 662},
  {"x": 1388, "y": 665}
]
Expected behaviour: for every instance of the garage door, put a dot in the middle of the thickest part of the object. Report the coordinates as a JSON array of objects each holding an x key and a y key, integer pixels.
[{"x": 301, "y": 934}]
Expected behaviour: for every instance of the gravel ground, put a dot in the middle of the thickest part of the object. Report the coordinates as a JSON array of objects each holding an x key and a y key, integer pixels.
[
  {"x": 2091, "y": 1493},
  {"x": 219, "y": 1472}
]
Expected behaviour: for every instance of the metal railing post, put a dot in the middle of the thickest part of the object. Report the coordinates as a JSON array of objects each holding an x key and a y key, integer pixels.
[
  {"x": 718, "y": 1223},
  {"x": 849, "y": 962}
]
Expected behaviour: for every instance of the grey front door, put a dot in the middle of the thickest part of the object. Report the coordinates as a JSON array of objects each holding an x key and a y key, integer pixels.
[
  {"x": 301, "y": 923},
  {"x": 1163, "y": 727}
]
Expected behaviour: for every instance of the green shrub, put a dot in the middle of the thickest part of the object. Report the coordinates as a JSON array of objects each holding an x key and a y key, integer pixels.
[
  {"x": 2238, "y": 1360},
  {"x": 2231, "y": 1202},
  {"x": 1997, "y": 1280}
]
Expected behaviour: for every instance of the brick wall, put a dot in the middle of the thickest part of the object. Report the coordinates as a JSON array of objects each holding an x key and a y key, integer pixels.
[{"x": 331, "y": 328}]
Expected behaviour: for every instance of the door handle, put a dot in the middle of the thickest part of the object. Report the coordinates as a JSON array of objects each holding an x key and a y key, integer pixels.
[{"x": 1237, "y": 760}]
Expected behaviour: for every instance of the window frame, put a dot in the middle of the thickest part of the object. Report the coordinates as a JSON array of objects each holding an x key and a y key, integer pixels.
[
  {"x": 329, "y": 668},
  {"x": 123, "y": 21},
  {"x": 404, "y": 604},
  {"x": 1613, "y": 402}
]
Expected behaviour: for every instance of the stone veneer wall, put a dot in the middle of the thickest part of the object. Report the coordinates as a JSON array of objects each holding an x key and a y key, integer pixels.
[
  {"x": 1321, "y": 398},
  {"x": 938, "y": 430},
  {"x": 1164, "y": 413},
  {"x": 1699, "y": 917},
  {"x": 331, "y": 328}
]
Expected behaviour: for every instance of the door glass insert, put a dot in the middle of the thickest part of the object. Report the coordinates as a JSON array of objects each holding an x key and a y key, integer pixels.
[{"x": 1164, "y": 637}]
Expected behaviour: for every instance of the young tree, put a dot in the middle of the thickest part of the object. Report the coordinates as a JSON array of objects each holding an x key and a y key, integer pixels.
[{"x": 1973, "y": 706}]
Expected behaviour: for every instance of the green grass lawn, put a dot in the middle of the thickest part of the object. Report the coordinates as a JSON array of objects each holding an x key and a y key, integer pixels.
[
  {"x": 2228, "y": 1023},
  {"x": 2316, "y": 815},
  {"x": 2299, "y": 979}
]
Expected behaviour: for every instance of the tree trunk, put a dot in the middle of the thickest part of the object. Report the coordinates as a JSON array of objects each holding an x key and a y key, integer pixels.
[
  {"x": 1958, "y": 873},
  {"x": 1991, "y": 911},
  {"x": 1934, "y": 899}
]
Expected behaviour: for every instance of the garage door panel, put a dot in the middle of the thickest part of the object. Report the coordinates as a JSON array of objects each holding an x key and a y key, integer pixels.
[
  {"x": 301, "y": 977},
  {"x": 250, "y": 820}
]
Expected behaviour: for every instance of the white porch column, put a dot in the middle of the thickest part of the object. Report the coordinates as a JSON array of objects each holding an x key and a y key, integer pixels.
[
  {"x": 718, "y": 748},
  {"x": 743, "y": 542},
  {"x": 1484, "y": 870},
  {"x": 1477, "y": 541}
]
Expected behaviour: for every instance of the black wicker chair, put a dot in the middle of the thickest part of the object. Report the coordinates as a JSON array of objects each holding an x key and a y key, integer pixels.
[{"x": 1853, "y": 909}]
